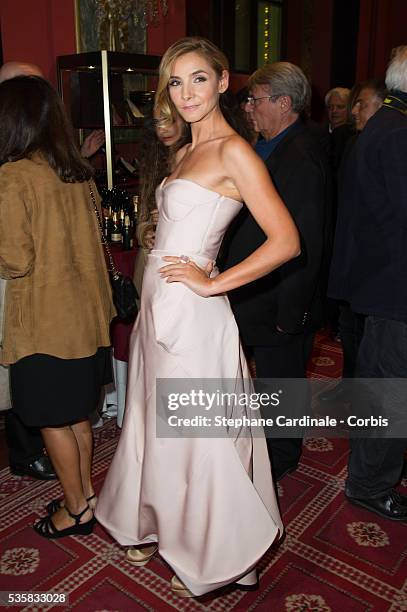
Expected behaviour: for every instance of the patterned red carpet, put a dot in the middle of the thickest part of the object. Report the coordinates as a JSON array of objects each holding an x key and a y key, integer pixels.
[{"x": 334, "y": 557}]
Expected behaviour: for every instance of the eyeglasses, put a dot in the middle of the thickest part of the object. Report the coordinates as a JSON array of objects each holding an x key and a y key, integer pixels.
[{"x": 253, "y": 101}]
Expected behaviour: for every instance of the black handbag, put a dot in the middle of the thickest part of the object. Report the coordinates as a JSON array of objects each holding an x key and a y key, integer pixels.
[{"x": 123, "y": 289}]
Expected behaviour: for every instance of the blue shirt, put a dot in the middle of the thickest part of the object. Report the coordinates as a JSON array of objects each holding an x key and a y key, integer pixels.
[{"x": 264, "y": 148}]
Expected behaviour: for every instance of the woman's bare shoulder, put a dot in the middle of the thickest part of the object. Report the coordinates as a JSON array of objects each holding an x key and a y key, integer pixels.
[
  {"x": 237, "y": 152},
  {"x": 236, "y": 145}
]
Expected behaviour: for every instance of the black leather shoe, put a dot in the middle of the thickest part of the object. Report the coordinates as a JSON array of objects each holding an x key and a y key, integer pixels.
[
  {"x": 338, "y": 393},
  {"x": 40, "y": 468},
  {"x": 391, "y": 506},
  {"x": 400, "y": 498}
]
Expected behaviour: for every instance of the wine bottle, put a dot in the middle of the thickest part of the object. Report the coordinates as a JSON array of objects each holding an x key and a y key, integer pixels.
[
  {"x": 127, "y": 237},
  {"x": 107, "y": 224},
  {"x": 116, "y": 235},
  {"x": 122, "y": 216}
]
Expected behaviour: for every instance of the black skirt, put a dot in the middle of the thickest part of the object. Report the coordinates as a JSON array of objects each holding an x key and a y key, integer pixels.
[{"x": 48, "y": 391}]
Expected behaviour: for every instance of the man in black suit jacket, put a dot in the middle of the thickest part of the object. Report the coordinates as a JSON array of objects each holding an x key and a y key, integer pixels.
[
  {"x": 277, "y": 314},
  {"x": 369, "y": 271}
]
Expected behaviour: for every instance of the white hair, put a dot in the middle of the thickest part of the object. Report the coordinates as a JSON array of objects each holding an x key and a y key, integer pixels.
[
  {"x": 396, "y": 75},
  {"x": 342, "y": 92}
]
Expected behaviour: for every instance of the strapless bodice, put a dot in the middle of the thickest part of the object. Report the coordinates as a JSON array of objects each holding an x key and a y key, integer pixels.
[{"x": 192, "y": 218}]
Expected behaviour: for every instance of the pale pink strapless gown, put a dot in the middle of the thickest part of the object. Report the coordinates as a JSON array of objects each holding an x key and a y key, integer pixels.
[{"x": 209, "y": 503}]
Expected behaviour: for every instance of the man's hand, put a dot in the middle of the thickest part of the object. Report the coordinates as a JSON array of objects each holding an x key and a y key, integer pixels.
[{"x": 92, "y": 143}]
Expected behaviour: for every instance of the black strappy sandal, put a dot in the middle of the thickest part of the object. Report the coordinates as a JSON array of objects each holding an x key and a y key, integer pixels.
[
  {"x": 46, "y": 528},
  {"x": 56, "y": 504}
]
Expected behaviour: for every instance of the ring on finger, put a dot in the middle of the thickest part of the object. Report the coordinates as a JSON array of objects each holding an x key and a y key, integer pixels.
[{"x": 184, "y": 259}]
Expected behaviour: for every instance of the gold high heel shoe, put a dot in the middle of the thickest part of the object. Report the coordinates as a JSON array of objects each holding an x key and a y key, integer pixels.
[
  {"x": 179, "y": 588},
  {"x": 141, "y": 555}
]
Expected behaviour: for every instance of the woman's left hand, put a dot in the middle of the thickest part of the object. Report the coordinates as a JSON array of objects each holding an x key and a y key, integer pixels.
[{"x": 184, "y": 270}]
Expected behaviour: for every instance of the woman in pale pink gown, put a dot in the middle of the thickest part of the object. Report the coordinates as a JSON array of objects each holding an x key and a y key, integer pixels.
[{"x": 206, "y": 504}]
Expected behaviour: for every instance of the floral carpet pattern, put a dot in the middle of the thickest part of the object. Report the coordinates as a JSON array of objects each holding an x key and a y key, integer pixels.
[{"x": 334, "y": 557}]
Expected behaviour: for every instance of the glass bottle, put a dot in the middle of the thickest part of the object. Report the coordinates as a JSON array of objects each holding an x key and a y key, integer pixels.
[
  {"x": 116, "y": 235},
  {"x": 127, "y": 236},
  {"x": 107, "y": 223},
  {"x": 122, "y": 216}
]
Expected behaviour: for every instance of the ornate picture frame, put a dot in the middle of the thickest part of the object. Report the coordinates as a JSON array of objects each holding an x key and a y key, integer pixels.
[{"x": 114, "y": 25}]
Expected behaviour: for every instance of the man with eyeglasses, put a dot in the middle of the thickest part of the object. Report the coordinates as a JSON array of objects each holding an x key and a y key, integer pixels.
[{"x": 278, "y": 314}]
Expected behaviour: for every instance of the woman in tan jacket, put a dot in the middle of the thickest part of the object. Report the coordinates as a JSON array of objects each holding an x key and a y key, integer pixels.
[{"x": 58, "y": 302}]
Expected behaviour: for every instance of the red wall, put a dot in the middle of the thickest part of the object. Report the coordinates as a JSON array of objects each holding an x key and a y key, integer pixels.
[
  {"x": 321, "y": 54},
  {"x": 170, "y": 29},
  {"x": 294, "y": 33},
  {"x": 382, "y": 26},
  {"x": 37, "y": 31}
]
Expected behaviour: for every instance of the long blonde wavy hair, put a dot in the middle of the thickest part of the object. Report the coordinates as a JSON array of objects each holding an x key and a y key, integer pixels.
[{"x": 163, "y": 106}]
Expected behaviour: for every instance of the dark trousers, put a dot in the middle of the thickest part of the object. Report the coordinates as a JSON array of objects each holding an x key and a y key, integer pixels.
[
  {"x": 375, "y": 464},
  {"x": 25, "y": 444},
  {"x": 351, "y": 326},
  {"x": 288, "y": 358}
]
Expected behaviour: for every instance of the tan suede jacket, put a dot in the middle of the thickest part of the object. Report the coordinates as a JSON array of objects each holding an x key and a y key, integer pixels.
[{"x": 58, "y": 298}]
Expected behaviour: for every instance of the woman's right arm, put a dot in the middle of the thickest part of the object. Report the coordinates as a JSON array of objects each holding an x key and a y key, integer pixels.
[
  {"x": 250, "y": 177},
  {"x": 282, "y": 243},
  {"x": 16, "y": 243}
]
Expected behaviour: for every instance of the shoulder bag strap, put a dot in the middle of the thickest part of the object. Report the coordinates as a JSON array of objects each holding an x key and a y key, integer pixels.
[{"x": 112, "y": 267}]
